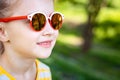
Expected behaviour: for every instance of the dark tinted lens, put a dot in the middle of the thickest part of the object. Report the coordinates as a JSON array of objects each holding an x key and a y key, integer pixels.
[
  {"x": 38, "y": 21},
  {"x": 56, "y": 21}
]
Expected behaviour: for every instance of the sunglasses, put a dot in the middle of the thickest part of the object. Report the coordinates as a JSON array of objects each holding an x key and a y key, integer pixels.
[{"x": 38, "y": 20}]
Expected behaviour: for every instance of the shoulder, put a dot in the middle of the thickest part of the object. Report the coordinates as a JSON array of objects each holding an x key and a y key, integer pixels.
[
  {"x": 43, "y": 71},
  {"x": 4, "y": 75},
  {"x": 41, "y": 65}
]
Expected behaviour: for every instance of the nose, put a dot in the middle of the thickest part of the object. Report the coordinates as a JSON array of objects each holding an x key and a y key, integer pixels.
[{"x": 48, "y": 30}]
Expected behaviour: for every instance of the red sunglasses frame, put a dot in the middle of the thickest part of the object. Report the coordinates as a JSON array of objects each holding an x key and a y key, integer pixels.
[{"x": 29, "y": 17}]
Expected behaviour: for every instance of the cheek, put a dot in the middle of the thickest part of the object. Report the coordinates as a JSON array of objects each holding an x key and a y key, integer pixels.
[
  {"x": 24, "y": 43},
  {"x": 23, "y": 38},
  {"x": 21, "y": 35},
  {"x": 19, "y": 30}
]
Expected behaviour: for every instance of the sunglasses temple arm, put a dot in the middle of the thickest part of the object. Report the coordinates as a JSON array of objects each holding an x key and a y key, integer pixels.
[{"x": 12, "y": 18}]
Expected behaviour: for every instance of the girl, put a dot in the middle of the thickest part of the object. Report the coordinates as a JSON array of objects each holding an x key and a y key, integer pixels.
[{"x": 28, "y": 30}]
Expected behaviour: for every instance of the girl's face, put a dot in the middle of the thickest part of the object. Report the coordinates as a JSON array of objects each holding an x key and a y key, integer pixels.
[{"x": 23, "y": 40}]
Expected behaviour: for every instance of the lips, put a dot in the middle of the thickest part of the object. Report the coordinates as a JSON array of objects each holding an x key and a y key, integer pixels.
[{"x": 45, "y": 44}]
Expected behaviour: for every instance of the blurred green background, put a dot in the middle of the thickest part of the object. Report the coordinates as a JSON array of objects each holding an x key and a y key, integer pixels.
[{"x": 88, "y": 46}]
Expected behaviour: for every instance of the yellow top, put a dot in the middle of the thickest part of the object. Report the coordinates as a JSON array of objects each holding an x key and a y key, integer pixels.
[{"x": 43, "y": 72}]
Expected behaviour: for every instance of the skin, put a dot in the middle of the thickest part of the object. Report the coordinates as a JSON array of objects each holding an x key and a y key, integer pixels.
[{"x": 20, "y": 41}]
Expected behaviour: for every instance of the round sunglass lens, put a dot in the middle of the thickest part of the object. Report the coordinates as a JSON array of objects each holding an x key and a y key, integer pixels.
[
  {"x": 56, "y": 21},
  {"x": 38, "y": 21}
]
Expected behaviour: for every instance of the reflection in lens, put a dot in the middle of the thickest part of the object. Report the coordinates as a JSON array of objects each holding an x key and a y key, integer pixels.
[
  {"x": 56, "y": 21},
  {"x": 38, "y": 21}
]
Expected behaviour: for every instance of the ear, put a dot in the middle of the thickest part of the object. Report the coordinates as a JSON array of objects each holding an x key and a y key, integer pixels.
[{"x": 3, "y": 33}]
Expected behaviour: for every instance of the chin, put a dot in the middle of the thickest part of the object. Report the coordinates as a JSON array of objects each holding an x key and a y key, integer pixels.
[{"x": 44, "y": 55}]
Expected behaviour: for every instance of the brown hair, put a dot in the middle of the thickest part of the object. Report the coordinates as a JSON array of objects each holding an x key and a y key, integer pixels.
[{"x": 4, "y": 4}]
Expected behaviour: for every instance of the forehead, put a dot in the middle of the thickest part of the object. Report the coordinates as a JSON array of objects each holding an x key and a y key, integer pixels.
[{"x": 25, "y": 7}]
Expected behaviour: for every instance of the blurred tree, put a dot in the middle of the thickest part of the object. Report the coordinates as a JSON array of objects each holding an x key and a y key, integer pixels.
[{"x": 92, "y": 9}]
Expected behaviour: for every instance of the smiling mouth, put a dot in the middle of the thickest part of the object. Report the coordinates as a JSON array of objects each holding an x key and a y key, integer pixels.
[{"x": 45, "y": 44}]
